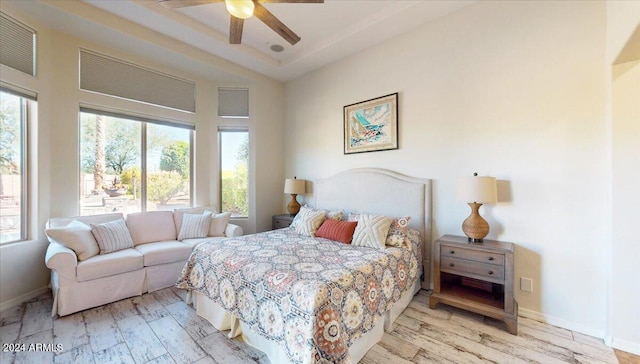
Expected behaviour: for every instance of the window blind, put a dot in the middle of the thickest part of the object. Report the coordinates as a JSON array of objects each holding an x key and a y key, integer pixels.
[
  {"x": 233, "y": 102},
  {"x": 111, "y": 76},
  {"x": 17, "y": 45}
]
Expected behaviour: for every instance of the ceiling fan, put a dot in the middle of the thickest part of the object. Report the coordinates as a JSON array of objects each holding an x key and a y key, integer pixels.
[{"x": 240, "y": 10}]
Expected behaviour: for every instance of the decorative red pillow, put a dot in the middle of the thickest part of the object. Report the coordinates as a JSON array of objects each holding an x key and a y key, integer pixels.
[{"x": 341, "y": 231}]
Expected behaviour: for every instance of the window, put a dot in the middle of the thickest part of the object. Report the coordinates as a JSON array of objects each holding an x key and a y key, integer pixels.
[
  {"x": 234, "y": 171},
  {"x": 130, "y": 164},
  {"x": 13, "y": 167}
]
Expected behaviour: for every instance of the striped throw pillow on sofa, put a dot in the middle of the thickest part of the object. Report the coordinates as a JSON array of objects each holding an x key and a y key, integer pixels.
[
  {"x": 195, "y": 225},
  {"x": 112, "y": 236}
]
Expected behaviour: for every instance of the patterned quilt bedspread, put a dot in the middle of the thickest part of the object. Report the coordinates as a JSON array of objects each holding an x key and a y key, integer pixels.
[{"x": 311, "y": 295}]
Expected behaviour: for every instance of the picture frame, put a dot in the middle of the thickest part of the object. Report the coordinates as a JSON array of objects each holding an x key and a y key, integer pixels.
[{"x": 371, "y": 125}]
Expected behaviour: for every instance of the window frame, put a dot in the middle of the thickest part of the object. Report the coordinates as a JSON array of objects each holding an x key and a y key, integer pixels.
[
  {"x": 237, "y": 129},
  {"x": 27, "y": 106},
  {"x": 145, "y": 121}
]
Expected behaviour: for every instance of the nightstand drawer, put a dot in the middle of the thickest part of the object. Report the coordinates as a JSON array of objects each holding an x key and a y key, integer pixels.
[
  {"x": 474, "y": 255},
  {"x": 465, "y": 267},
  {"x": 281, "y": 221}
]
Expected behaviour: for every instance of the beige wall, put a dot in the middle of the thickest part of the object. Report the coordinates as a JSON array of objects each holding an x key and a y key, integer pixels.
[
  {"x": 514, "y": 90},
  {"x": 55, "y": 171},
  {"x": 623, "y": 42},
  {"x": 625, "y": 243}
]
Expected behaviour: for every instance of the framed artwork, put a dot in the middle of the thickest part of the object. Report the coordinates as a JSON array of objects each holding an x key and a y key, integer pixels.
[{"x": 371, "y": 125}]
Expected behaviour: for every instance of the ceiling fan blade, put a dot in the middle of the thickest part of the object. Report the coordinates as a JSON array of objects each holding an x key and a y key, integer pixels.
[
  {"x": 235, "y": 30},
  {"x": 272, "y": 22},
  {"x": 294, "y": 1},
  {"x": 172, "y": 4}
]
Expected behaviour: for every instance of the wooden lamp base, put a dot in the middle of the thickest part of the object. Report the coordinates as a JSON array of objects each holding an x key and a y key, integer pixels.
[
  {"x": 475, "y": 227},
  {"x": 294, "y": 206}
]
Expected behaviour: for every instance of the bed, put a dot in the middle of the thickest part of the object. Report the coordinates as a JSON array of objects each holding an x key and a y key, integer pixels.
[{"x": 308, "y": 300}]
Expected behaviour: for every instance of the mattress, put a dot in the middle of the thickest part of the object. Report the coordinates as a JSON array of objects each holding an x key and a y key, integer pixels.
[{"x": 312, "y": 297}]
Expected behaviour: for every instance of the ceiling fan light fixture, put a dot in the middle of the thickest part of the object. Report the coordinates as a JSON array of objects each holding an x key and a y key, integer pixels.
[{"x": 242, "y": 9}]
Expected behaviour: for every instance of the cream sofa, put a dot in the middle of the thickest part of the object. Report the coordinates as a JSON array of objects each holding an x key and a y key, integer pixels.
[{"x": 80, "y": 280}]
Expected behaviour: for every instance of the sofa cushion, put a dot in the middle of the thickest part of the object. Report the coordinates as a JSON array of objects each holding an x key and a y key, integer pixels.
[
  {"x": 197, "y": 241},
  {"x": 162, "y": 252},
  {"x": 112, "y": 236},
  {"x": 105, "y": 265},
  {"x": 89, "y": 219},
  {"x": 177, "y": 214},
  {"x": 148, "y": 227},
  {"x": 219, "y": 224},
  {"x": 76, "y": 236},
  {"x": 194, "y": 225}
]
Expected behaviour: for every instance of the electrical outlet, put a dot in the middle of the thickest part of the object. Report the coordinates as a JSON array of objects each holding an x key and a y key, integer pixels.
[{"x": 526, "y": 284}]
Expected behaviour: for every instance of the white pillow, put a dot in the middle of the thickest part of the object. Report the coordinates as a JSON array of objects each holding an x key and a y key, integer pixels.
[
  {"x": 195, "y": 225},
  {"x": 112, "y": 236},
  {"x": 371, "y": 231},
  {"x": 177, "y": 214},
  {"x": 219, "y": 224},
  {"x": 332, "y": 215},
  {"x": 77, "y": 237},
  {"x": 309, "y": 220}
]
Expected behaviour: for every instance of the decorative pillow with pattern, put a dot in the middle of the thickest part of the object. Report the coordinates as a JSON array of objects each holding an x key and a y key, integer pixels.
[
  {"x": 112, "y": 236},
  {"x": 371, "y": 230},
  {"x": 298, "y": 216},
  {"x": 398, "y": 233},
  {"x": 309, "y": 220},
  {"x": 333, "y": 215},
  {"x": 195, "y": 225},
  {"x": 336, "y": 230}
]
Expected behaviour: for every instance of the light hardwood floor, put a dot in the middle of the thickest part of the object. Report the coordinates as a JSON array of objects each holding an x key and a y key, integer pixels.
[{"x": 160, "y": 328}]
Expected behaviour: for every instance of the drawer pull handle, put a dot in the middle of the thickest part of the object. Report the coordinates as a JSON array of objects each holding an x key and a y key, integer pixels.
[
  {"x": 452, "y": 252},
  {"x": 451, "y": 264},
  {"x": 490, "y": 272},
  {"x": 490, "y": 258}
]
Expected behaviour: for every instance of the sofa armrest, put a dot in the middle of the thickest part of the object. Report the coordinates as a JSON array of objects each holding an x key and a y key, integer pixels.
[
  {"x": 61, "y": 259},
  {"x": 232, "y": 230}
]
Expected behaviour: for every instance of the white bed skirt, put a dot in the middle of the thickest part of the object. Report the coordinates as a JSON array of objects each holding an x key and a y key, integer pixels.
[{"x": 222, "y": 320}]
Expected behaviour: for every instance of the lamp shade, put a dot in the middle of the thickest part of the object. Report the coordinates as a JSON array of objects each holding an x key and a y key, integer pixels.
[
  {"x": 476, "y": 189},
  {"x": 294, "y": 186}
]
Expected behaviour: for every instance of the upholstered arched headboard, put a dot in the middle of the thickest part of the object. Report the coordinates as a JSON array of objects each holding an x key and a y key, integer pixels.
[{"x": 380, "y": 192}]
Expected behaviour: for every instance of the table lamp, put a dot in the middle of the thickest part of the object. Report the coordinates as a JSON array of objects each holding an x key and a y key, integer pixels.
[
  {"x": 294, "y": 187},
  {"x": 475, "y": 191}
]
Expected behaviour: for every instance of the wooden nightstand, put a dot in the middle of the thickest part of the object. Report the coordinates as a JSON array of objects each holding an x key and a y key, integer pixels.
[
  {"x": 281, "y": 221},
  {"x": 477, "y": 277}
]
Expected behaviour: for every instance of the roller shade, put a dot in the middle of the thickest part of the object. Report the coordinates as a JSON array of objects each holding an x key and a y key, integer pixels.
[
  {"x": 111, "y": 76},
  {"x": 17, "y": 45},
  {"x": 233, "y": 102}
]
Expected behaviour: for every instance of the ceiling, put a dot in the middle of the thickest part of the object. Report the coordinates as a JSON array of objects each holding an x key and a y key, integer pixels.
[{"x": 329, "y": 31}]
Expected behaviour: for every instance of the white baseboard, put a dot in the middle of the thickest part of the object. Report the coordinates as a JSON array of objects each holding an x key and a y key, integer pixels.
[
  {"x": 23, "y": 298},
  {"x": 555, "y": 321},
  {"x": 624, "y": 345}
]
